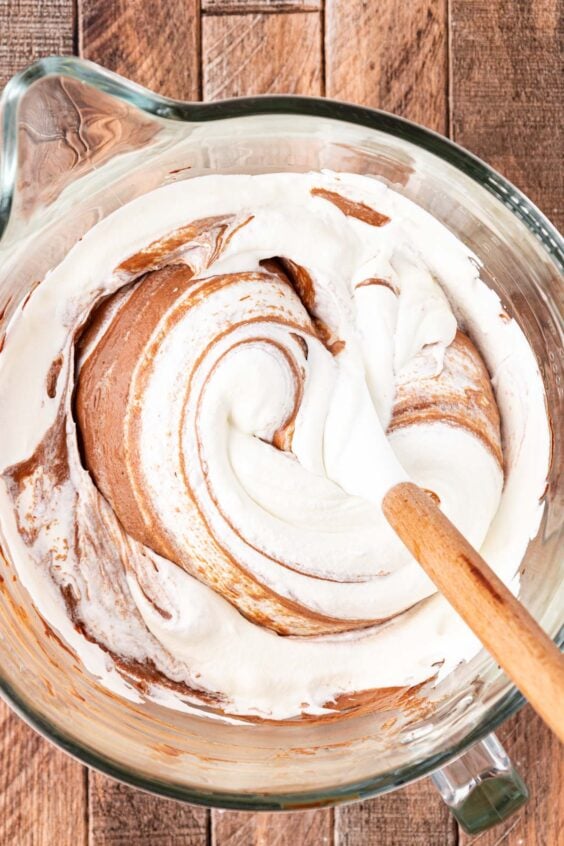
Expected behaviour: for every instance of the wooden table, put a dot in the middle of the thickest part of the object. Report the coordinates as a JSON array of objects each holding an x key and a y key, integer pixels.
[{"x": 484, "y": 72}]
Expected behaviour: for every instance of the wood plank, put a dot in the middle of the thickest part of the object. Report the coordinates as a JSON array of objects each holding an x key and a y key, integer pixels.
[
  {"x": 261, "y": 54},
  {"x": 306, "y": 828},
  {"x": 390, "y": 56},
  {"x": 400, "y": 65},
  {"x": 540, "y": 759},
  {"x": 29, "y": 30},
  {"x": 414, "y": 815},
  {"x": 258, "y": 54},
  {"x": 156, "y": 44},
  {"x": 220, "y": 7},
  {"x": 507, "y": 92},
  {"x": 122, "y": 816},
  {"x": 43, "y": 796},
  {"x": 152, "y": 42}
]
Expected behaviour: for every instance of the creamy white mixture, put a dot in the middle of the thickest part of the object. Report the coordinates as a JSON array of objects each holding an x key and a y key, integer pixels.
[{"x": 319, "y": 505}]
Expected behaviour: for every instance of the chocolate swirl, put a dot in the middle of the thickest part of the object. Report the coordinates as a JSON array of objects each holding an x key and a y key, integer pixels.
[
  {"x": 180, "y": 342},
  {"x": 229, "y": 414},
  {"x": 182, "y": 380}
]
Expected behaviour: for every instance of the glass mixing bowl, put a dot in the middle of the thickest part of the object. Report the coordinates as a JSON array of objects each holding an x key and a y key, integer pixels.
[{"x": 78, "y": 142}]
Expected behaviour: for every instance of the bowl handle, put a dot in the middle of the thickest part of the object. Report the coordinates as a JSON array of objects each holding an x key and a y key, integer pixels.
[{"x": 481, "y": 787}]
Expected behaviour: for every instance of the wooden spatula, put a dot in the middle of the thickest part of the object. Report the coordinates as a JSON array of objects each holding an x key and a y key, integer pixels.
[{"x": 507, "y": 630}]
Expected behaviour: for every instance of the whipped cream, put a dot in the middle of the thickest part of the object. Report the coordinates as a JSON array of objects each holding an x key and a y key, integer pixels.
[{"x": 264, "y": 580}]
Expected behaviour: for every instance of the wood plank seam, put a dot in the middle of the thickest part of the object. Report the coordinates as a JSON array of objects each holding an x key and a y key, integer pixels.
[
  {"x": 75, "y": 27},
  {"x": 86, "y": 809},
  {"x": 449, "y": 75},
  {"x": 323, "y": 48},
  {"x": 201, "y": 97},
  {"x": 264, "y": 7}
]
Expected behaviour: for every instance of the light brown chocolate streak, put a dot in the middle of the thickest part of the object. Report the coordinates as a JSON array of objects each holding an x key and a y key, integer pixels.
[{"x": 351, "y": 208}]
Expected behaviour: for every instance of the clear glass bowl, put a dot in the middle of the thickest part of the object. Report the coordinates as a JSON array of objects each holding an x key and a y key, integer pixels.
[{"x": 78, "y": 142}]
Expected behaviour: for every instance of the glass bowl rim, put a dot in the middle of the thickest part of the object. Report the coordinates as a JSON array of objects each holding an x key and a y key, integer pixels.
[{"x": 509, "y": 700}]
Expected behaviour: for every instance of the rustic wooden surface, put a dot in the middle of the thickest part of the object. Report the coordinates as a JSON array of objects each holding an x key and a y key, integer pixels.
[
  {"x": 483, "y": 71},
  {"x": 154, "y": 42},
  {"x": 261, "y": 54},
  {"x": 400, "y": 64},
  {"x": 507, "y": 90}
]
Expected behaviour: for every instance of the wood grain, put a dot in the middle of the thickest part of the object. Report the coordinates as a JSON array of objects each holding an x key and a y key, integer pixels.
[
  {"x": 43, "y": 796},
  {"x": 122, "y": 816},
  {"x": 29, "y": 30},
  {"x": 413, "y": 816},
  {"x": 506, "y": 104},
  {"x": 504, "y": 626},
  {"x": 158, "y": 45},
  {"x": 261, "y": 54},
  {"x": 218, "y": 7},
  {"x": 400, "y": 62},
  {"x": 306, "y": 828},
  {"x": 540, "y": 759},
  {"x": 153, "y": 42},
  {"x": 508, "y": 90}
]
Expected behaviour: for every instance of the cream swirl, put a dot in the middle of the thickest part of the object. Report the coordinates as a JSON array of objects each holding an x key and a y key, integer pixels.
[{"x": 250, "y": 369}]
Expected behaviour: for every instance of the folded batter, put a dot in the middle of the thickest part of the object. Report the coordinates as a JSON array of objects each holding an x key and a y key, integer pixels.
[{"x": 201, "y": 410}]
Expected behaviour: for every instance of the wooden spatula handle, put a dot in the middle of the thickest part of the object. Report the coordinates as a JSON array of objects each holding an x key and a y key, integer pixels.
[{"x": 504, "y": 626}]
